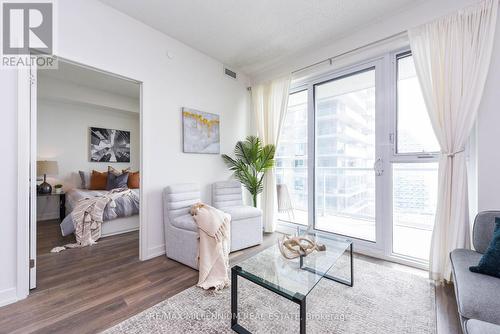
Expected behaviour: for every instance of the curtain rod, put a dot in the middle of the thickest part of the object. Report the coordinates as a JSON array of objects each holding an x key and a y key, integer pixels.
[{"x": 399, "y": 34}]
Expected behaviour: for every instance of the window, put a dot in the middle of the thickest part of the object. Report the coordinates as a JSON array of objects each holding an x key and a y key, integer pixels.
[
  {"x": 414, "y": 130},
  {"x": 414, "y": 183},
  {"x": 291, "y": 161},
  {"x": 414, "y": 207}
]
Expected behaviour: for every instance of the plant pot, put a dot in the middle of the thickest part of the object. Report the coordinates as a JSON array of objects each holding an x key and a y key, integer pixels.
[{"x": 58, "y": 190}]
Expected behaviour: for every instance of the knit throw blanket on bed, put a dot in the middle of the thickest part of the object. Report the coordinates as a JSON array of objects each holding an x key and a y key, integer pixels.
[
  {"x": 88, "y": 217},
  {"x": 214, "y": 244}
]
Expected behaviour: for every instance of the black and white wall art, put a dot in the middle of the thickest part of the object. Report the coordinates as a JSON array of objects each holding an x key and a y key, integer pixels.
[
  {"x": 109, "y": 145},
  {"x": 201, "y": 132}
]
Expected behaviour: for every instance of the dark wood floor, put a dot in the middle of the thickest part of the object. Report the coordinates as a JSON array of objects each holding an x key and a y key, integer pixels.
[{"x": 90, "y": 289}]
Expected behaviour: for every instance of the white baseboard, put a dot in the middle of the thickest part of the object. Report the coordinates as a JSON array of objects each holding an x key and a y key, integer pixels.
[
  {"x": 8, "y": 296},
  {"x": 155, "y": 251}
]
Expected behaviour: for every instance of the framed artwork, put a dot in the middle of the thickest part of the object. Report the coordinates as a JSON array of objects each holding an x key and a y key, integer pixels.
[
  {"x": 109, "y": 145},
  {"x": 201, "y": 132}
]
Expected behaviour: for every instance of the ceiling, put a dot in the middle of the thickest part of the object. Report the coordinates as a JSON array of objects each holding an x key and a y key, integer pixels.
[
  {"x": 95, "y": 79},
  {"x": 251, "y": 35}
]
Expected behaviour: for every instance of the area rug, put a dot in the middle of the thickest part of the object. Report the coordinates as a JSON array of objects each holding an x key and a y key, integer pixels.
[{"x": 383, "y": 300}]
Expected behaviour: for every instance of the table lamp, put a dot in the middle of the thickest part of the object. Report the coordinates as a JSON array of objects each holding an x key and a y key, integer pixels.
[{"x": 46, "y": 167}]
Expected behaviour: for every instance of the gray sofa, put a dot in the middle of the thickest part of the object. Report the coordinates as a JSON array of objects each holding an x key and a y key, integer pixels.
[{"x": 478, "y": 296}]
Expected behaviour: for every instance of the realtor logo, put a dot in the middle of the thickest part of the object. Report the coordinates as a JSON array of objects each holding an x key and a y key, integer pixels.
[
  {"x": 27, "y": 28},
  {"x": 28, "y": 34}
]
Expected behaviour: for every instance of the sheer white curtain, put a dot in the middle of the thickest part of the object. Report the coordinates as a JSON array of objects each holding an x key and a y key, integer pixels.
[
  {"x": 270, "y": 101},
  {"x": 452, "y": 57}
]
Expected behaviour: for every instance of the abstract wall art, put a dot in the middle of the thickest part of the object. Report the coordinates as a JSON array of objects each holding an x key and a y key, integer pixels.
[
  {"x": 201, "y": 132},
  {"x": 109, "y": 145}
]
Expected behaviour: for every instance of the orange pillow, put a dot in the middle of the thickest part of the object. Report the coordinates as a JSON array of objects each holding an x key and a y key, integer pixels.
[
  {"x": 98, "y": 180},
  {"x": 133, "y": 180}
]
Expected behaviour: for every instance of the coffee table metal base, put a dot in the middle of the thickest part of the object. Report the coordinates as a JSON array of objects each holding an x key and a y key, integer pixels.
[
  {"x": 349, "y": 282},
  {"x": 237, "y": 271},
  {"x": 297, "y": 298}
]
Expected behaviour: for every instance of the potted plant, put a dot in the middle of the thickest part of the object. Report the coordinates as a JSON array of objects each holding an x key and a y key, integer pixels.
[
  {"x": 58, "y": 188},
  {"x": 252, "y": 161}
]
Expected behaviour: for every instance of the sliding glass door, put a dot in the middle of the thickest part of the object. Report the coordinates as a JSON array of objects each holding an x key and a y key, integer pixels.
[
  {"x": 345, "y": 154},
  {"x": 357, "y": 157}
]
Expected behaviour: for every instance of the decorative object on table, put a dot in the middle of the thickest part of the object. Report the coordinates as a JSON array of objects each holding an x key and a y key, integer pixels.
[
  {"x": 252, "y": 161},
  {"x": 44, "y": 167},
  {"x": 201, "y": 132},
  {"x": 58, "y": 188},
  {"x": 109, "y": 145},
  {"x": 294, "y": 247}
]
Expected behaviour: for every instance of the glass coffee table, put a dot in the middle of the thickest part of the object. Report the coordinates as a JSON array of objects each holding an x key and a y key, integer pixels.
[{"x": 291, "y": 279}]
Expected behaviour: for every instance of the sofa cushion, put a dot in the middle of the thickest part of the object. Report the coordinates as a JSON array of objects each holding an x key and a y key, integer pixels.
[
  {"x": 481, "y": 327},
  {"x": 242, "y": 212},
  {"x": 490, "y": 261},
  {"x": 185, "y": 222},
  {"x": 484, "y": 225},
  {"x": 477, "y": 294}
]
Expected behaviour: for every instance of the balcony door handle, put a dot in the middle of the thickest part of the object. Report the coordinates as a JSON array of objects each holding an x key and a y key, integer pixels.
[{"x": 378, "y": 167}]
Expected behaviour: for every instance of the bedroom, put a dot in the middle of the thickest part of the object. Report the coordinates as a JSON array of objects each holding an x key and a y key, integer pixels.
[{"x": 87, "y": 144}]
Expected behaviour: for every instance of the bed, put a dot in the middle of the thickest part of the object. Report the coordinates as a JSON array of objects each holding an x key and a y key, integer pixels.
[{"x": 120, "y": 219}]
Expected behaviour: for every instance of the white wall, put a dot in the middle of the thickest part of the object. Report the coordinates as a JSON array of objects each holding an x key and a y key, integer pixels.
[
  {"x": 8, "y": 202},
  {"x": 63, "y": 133},
  {"x": 488, "y": 136},
  {"x": 91, "y": 33}
]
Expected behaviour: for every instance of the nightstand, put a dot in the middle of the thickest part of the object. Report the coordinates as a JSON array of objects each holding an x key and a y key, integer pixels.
[{"x": 62, "y": 202}]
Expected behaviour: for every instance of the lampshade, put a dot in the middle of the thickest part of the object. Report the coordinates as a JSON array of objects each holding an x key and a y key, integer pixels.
[{"x": 46, "y": 167}]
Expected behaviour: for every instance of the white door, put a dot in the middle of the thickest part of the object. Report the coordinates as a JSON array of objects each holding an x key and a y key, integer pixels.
[
  {"x": 33, "y": 155},
  {"x": 349, "y": 158}
]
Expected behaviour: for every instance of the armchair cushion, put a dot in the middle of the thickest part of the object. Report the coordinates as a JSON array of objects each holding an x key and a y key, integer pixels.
[
  {"x": 242, "y": 212},
  {"x": 185, "y": 222}
]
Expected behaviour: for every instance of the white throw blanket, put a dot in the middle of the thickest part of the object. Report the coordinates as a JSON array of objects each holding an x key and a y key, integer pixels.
[
  {"x": 88, "y": 218},
  {"x": 214, "y": 246}
]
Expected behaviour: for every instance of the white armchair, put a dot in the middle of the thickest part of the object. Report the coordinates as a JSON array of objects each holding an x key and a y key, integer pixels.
[
  {"x": 181, "y": 231},
  {"x": 246, "y": 221}
]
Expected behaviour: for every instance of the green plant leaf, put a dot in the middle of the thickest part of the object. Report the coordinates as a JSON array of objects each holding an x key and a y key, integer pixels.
[{"x": 252, "y": 160}]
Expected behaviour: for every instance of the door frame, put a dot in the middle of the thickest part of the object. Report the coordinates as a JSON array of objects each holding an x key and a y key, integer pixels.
[{"x": 26, "y": 165}]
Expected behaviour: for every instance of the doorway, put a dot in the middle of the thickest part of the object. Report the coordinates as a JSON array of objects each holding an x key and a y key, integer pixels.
[{"x": 83, "y": 121}]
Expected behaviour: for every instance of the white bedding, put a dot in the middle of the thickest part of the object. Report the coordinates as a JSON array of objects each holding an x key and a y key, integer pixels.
[{"x": 74, "y": 195}]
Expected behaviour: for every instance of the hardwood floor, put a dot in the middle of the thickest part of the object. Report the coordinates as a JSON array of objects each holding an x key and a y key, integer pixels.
[{"x": 90, "y": 289}]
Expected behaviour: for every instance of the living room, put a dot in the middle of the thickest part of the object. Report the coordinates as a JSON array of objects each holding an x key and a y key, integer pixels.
[{"x": 339, "y": 152}]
